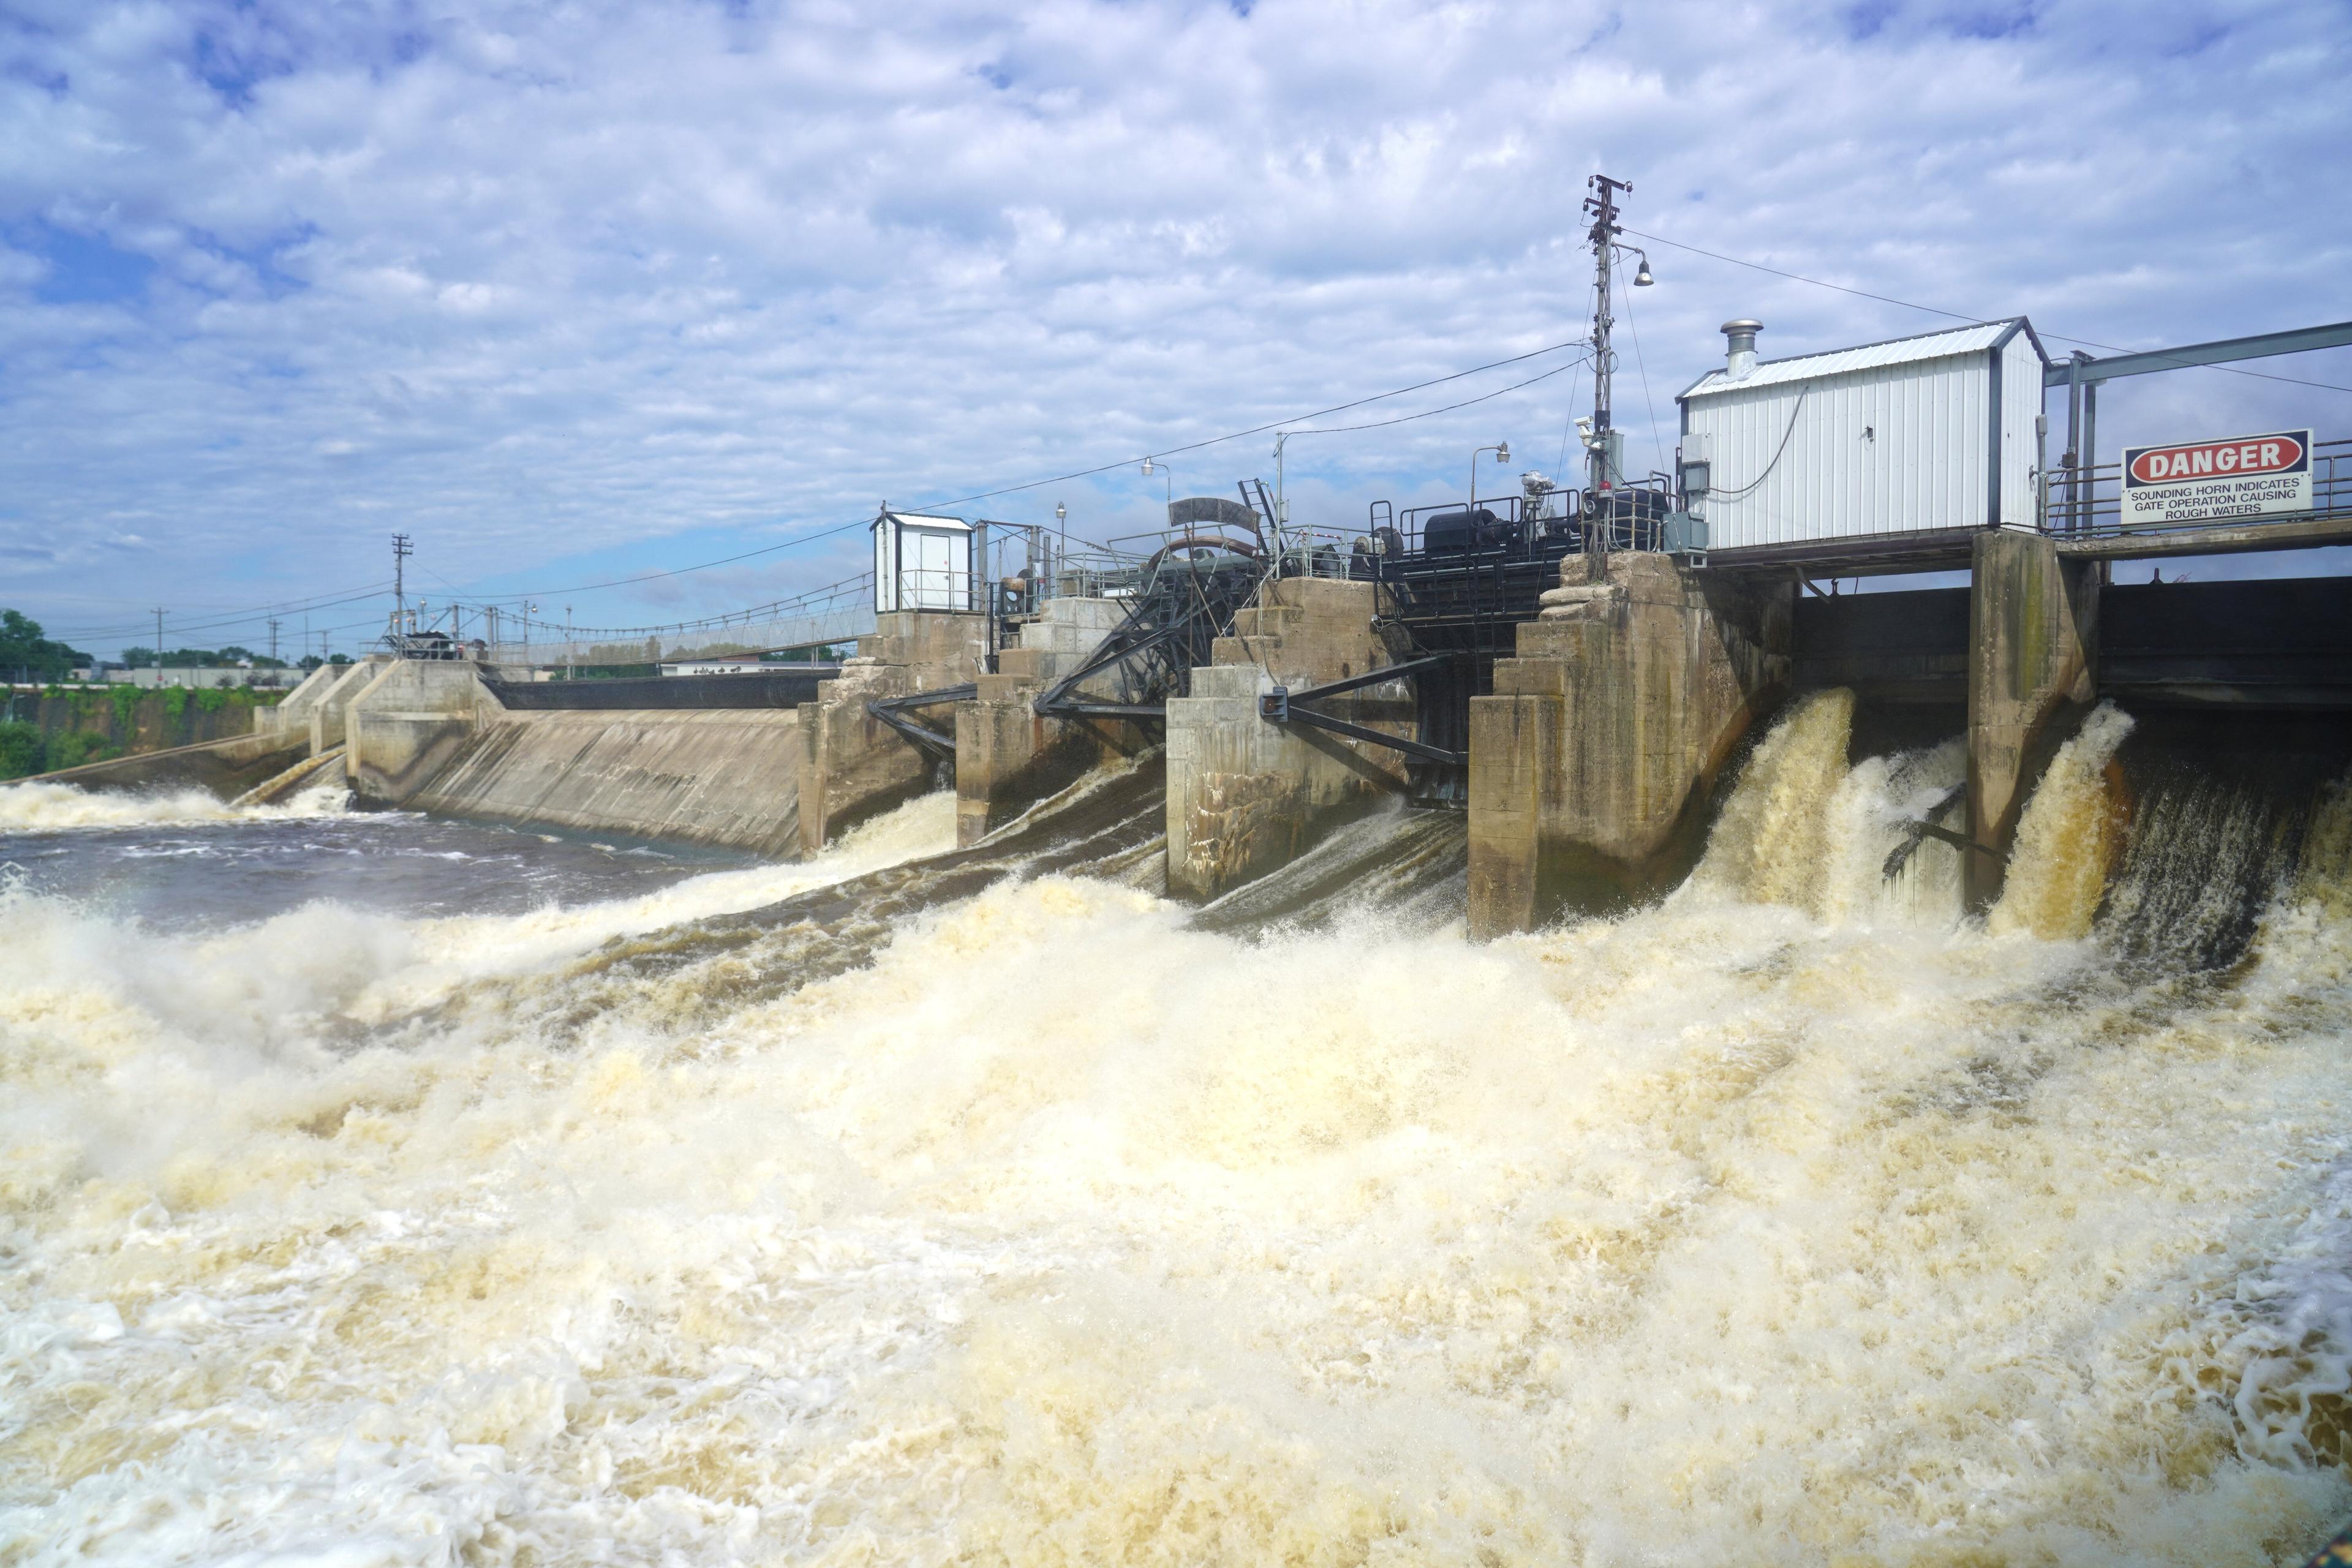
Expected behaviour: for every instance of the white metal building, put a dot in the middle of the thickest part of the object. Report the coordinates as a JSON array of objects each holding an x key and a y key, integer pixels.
[
  {"x": 924, "y": 563},
  {"x": 1917, "y": 436}
]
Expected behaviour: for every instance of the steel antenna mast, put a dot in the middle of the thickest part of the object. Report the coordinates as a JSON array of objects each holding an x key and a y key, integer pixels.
[{"x": 1600, "y": 440}]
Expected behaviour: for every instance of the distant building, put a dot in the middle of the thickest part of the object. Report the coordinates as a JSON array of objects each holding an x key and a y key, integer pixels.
[
  {"x": 739, "y": 664},
  {"x": 201, "y": 677}
]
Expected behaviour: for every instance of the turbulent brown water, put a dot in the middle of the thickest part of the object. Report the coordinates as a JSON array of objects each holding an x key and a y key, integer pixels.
[{"x": 911, "y": 1207}]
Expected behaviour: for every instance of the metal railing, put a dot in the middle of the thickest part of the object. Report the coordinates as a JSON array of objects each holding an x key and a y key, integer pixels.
[
  {"x": 2087, "y": 501},
  {"x": 1515, "y": 526}
]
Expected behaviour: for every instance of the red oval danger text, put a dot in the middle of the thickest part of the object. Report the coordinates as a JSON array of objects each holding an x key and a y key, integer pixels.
[{"x": 2254, "y": 455}]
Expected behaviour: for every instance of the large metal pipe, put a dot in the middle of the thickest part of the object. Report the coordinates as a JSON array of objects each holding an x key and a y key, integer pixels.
[{"x": 1204, "y": 541}]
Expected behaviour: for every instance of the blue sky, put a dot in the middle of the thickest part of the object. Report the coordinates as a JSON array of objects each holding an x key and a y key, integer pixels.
[{"x": 570, "y": 292}]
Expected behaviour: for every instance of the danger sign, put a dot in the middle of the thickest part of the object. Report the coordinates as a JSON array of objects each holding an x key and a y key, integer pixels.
[{"x": 2203, "y": 481}]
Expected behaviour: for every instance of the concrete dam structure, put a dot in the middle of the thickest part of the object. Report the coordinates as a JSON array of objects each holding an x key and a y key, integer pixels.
[
  {"x": 1151, "y": 1091},
  {"x": 1577, "y": 674}
]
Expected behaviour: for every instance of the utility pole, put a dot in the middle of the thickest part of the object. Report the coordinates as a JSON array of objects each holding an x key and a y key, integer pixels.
[
  {"x": 1602, "y": 204},
  {"x": 273, "y": 642},
  {"x": 570, "y": 668},
  {"x": 401, "y": 551},
  {"x": 159, "y": 646}
]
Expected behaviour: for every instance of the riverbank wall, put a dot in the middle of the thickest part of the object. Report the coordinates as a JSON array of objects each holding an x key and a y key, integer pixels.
[{"x": 58, "y": 728}]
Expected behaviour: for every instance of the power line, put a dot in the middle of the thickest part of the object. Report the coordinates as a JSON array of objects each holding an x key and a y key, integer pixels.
[
  {"x": 1409, "y": 418},
  {"x": 236, "y": 617},
  {"x": 1953, "y": 315},
  {"x": 1062, "y": 478}
]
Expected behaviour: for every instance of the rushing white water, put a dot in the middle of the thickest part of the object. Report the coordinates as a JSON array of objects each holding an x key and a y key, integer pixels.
[
  {"x": 1793, "y": 1220},
  {"x": 33, "y": 808}
]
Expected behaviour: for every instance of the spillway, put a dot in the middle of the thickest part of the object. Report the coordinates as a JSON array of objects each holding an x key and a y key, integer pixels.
[{"x": 915, "y": 1205}]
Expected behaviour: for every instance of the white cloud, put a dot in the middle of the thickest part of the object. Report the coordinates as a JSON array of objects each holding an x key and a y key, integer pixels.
[{"x": 555, "y": 289}]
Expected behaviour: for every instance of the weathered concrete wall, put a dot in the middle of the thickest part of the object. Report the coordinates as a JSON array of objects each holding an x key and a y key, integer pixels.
[
  {"x": 1007, "y": 757},
  {"x": 1307, "y": 630},
  {"x": 332, "y": 702},
  {"x": 727, "y": 778},
  {"x": 294, "y": 712},
  {"x": 227, "y": 767},
  {"x": 2034, "y": 639},
  {"x": 1592, "y": 765},
  {"x": 1058, "y": 640},
  {"x": 853, "y": 764},
  {"x": 77, "y": 726},
  {"x": 934, "y": 648},
  {"x": 409, "y": 723},
  {"x": 1245, "y": 796}
]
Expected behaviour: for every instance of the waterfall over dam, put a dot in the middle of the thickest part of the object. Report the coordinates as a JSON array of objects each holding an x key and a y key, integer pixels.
[{"x": 918, "y": 1204}]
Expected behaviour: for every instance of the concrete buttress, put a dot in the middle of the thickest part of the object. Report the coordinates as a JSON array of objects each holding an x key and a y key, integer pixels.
[
  {"x": 1008, "y": 757},
  {"x": 1593, "y": 763},
  {"x": 854, "y": 766},
  {"x": 1245, "y": 796},
  {"x": 408, "y": 723},
  {"x": 2033, "y": 642}
]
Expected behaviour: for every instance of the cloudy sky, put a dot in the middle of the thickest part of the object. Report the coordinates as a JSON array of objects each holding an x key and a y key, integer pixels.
[{"x": 573, "y": 292}]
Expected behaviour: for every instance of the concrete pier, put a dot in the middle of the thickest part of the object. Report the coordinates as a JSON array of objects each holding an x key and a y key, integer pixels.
[
  {"x": 1593, "y": 764},
  {"x": 1008, "y": 757},
  {"x": 2032, "y": 662},
  {"x": 408, "y": 723},
  {"x": 329, "y": 707},
  {"x": 854, "y": 766},
  {"x": 1245, "y": 796}
]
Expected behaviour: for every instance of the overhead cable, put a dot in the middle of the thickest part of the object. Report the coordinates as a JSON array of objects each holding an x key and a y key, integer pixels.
[{"x": 1954, "y": 315}]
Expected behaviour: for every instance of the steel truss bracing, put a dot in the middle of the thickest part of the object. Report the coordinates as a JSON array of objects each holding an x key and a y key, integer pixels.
[
  {"x": 899, "y": 714},
  {"x": 1185, "y": 603},
  {"x": 1280, "y": 706}
]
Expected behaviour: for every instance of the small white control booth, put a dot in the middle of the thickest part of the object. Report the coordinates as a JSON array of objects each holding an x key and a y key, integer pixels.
[{"x": 924, "y": 563}]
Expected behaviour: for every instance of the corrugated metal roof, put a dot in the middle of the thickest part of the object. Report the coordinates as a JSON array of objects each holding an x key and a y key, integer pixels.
[
  {"x": 926, "y": 520},
  {"x": 1944, "y": 345}
]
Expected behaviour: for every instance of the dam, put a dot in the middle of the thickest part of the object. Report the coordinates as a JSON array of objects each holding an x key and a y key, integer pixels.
[{"x": 1527, "y": 1031}]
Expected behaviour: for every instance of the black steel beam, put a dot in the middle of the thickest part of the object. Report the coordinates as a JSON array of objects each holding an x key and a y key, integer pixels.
[
  {"x": 892, "y": 711},
  {"x": 2260, "y": 345},
  {"x": 1370, "y": 678},
  {"x": 1378, "y": 737},
  {"x": 963, "y": 693},
  {"x": 1112, "y": 709}
]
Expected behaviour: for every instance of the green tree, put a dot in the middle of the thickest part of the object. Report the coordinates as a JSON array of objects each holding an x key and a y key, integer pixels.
[
  {"x": 20, "y": 750},
  {"x": 311, "y": 661},
  {"x": 27, "y": 654}
]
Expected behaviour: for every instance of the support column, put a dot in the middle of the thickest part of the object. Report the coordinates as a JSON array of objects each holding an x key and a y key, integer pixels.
[
  {"x": 1246, "y": 797},
  {"x": 855, "y": 766},
  {"x": 408, "y": 724},
  {"x": 1594, "y": 765},
  {"x": 2034, "y": 622},
  {"x": 1513, "y": 744},
  {"x": 1007, "y": 757}
]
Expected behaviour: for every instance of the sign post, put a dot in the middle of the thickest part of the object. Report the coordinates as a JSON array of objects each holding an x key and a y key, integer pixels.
[{"x": 2211, "y": 482}]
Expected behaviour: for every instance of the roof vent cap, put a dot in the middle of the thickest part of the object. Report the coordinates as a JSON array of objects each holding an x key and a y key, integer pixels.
[{"x": 1739, "y": 347}]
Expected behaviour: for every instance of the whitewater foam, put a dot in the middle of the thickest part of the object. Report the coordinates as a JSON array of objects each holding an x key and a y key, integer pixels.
[
  {"x": 1773, "y": 1223},
  {"x": 30, "y": 806}
]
